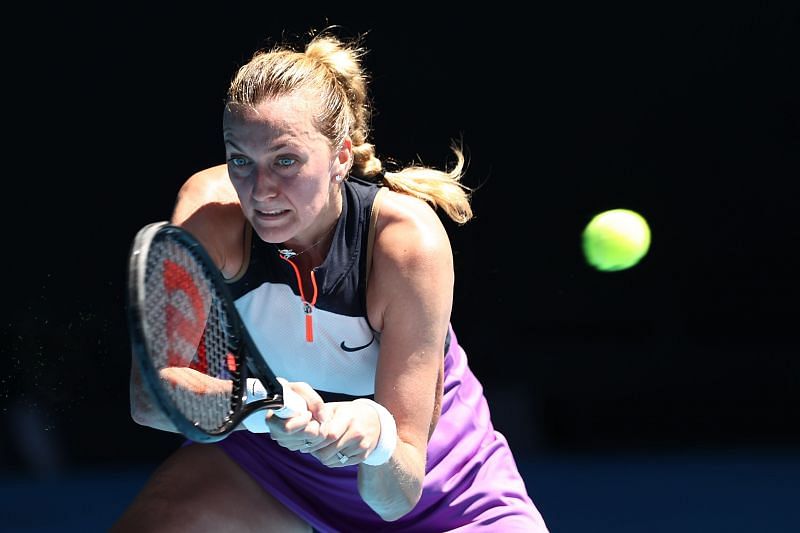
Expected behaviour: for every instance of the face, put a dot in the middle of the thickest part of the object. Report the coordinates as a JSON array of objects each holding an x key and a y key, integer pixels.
[{"x": 283, "y": 169}]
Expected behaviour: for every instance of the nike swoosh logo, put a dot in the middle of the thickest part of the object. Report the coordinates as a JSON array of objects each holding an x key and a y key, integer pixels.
[{"x": 346, "y": 348}]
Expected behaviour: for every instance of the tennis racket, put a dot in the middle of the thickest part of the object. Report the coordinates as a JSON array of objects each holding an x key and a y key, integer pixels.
[{"x": 189, "y": 341}]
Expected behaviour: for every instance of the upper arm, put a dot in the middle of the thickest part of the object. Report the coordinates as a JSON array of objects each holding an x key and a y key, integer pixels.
[
  {"x": 410, "y": 301},
  {"x": 208, "y": 207}
]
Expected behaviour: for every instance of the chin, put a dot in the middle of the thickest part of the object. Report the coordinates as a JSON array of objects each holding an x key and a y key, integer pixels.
[
  {"x": 276, "y": 227},
  {"x": 271, "y": 235},
  {"x": 269, "y": 231}
]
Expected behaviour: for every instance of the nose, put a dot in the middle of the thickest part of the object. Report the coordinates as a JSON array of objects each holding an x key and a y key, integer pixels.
[{"x": 266, "y": 185}]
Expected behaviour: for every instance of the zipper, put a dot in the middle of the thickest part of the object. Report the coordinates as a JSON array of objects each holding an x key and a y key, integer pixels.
[{"x": 308, "y": 307}]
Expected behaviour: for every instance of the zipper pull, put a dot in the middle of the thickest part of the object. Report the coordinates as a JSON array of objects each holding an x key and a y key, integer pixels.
[{"x": 307, "y": 309}]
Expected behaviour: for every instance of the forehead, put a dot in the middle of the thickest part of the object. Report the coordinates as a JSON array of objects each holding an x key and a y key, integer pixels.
[{"x": 291, "y": 115}]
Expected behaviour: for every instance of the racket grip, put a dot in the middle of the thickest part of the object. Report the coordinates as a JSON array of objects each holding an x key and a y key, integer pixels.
[
  {"x": 293, "y": 403},
  {"x": 256, "y": 422}
]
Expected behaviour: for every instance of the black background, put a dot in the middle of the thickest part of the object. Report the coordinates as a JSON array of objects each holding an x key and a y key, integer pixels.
[{"x": 686, "y": 115}]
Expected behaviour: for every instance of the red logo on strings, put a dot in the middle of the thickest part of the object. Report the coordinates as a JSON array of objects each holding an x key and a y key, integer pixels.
[{"x": 180, "y": 327}]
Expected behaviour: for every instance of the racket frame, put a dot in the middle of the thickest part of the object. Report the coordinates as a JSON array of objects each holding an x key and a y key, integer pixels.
[{"x": 244, "y": 350}]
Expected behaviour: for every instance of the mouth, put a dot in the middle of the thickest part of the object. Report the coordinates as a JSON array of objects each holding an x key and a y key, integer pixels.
[{"x": 270, "y": 214}]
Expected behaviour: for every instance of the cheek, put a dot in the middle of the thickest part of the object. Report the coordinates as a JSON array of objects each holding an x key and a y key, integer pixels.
[
  {"x": 307, "y": 194},
  {"x": 243, "y": 191}
]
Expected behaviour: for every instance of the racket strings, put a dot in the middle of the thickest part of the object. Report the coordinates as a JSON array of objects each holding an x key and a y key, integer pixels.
[{"x": 190, "y": 336}]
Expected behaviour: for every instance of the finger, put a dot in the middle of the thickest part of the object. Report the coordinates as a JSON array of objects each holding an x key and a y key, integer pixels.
[
  {"x": 194, "y": 381},
  {"x": 313, "y": 439},
  {"x": 288, "y": 426},
  {"x": 337, "y": 422},
  {"x": 337, "y": 458},
  {"x": 302, "y": 445},
  {"x": 342, "y": 458},
  {"x": 314, "y": 401},
  {"x": 308, "y": 440}
]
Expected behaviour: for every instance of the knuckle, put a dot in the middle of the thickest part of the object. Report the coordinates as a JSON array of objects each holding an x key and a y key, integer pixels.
[{"x": 363, "y": 447}]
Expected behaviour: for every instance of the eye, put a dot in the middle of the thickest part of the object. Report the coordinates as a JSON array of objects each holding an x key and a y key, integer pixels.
[
  {"x": 285, "y": 161},
  {"x": 237, "y": 161}
]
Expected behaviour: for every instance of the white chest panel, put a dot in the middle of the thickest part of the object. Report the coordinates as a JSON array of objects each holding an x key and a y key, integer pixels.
[{"x": 342, "y": 357}]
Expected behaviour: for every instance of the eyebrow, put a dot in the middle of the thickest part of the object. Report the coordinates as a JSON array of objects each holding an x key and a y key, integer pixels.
[
  {"x": 231, "y": 143},
  {"x": 237, "y": 147}
]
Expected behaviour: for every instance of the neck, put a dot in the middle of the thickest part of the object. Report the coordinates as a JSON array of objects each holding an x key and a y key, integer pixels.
[
  {"x": 320, "y": 240},
  {"x": 314, "y": 251}
]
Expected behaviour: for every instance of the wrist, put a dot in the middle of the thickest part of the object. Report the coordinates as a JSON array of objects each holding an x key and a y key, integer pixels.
[{"x": 387, "y": 441}]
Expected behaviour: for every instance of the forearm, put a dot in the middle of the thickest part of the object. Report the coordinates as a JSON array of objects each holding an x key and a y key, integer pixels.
[
  {"x": 145, "y": 413},
  {"x": 144, "y": 409},
  {"x": 394, "y": 488}
]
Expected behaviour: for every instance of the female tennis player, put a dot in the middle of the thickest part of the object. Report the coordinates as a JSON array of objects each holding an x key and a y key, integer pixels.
[{"x": 343, "y": 273}]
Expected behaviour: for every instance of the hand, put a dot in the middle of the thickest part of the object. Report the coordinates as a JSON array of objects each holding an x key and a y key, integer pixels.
[
  {"x": 350, "y": 431},
  {"x": 196, "y": 382},
  {"x": 302, "y": 431}
]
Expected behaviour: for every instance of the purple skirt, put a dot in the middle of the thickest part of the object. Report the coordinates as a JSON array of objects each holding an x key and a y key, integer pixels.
[{"x": 472, "y": 481}]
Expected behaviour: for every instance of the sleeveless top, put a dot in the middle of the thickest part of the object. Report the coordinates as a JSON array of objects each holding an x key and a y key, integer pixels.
[
  {"x": 328, "y": 344},
  {"x": 471, "y": 482}
]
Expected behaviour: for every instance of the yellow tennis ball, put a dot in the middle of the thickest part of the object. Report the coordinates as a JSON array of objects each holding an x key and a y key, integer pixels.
[{"x": 616, "y": 239}]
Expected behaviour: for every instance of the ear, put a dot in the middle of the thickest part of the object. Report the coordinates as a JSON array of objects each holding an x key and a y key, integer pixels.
[{"x": 344, "y": 158}]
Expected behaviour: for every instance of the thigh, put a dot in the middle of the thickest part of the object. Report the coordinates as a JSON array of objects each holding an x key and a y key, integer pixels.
[{"x": 199, "y": 488}]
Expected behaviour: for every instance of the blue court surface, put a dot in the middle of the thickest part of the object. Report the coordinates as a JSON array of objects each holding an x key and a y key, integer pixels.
[{"x": 723, "y": 493}]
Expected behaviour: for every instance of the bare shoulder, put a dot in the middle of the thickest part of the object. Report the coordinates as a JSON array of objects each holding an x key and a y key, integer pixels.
[
  {"x": 207, "y": 206},
  {"x": 412, "y": 266},
  {"x": 409, "y": 226},
  {"x": 210, "y": 186}
]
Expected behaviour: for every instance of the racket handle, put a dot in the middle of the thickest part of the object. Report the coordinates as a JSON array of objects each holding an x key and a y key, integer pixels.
[
  {"x": 293, "y": 403},
  {"x": 256, "y": 422}
]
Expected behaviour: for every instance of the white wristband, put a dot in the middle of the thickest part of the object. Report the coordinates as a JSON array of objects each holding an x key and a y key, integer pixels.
[{"x": 387, "y": 442}]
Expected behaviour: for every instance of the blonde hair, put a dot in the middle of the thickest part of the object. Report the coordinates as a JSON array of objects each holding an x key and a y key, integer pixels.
[{"x": 332, "y": 68}]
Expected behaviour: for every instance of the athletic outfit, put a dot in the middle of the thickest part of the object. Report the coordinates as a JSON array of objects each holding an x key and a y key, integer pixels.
[{"x": 324, "y": 339}]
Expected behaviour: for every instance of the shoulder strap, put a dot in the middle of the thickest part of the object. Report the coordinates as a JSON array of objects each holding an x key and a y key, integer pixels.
[
  {"x": 247, "y": 240},
  {"x": 373, "y": 224}
]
